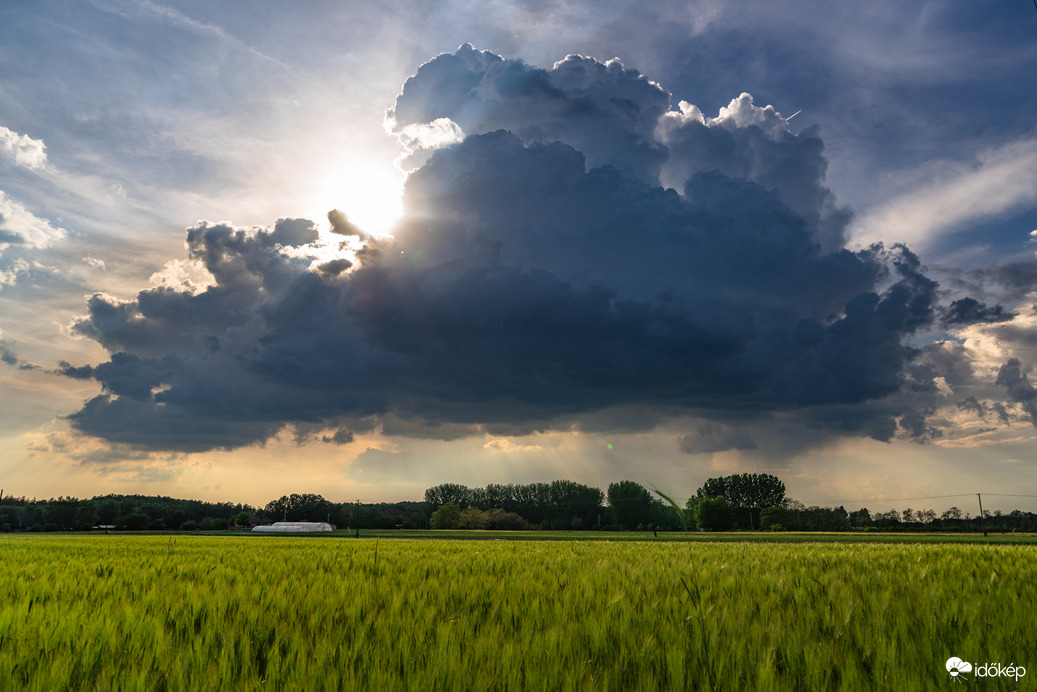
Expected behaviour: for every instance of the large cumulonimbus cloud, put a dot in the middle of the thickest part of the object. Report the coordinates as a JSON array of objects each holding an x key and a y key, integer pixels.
[{"x": 580, "y": 245}]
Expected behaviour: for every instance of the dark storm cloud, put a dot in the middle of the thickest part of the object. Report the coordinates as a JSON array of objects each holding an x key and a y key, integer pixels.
[
  {"x": 967, "y": 311},
  {"x": 528, "y": 286},
  {"x": 1018, "y": 387}
]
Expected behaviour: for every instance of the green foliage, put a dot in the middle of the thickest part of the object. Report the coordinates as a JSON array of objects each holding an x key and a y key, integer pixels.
[
  {"x": 446, "y": 517},
  {"x": 747, "y": 494},
  {"x": 299, "y": 507},
  {"x": 714, "y": 514},
  {"x": 248, "y": 613},
  {"x": 212, "y": 524},
  {"x": 124, "y": 511},
  {"x": 556, "y": 503},
  {"x": 772, "y": 515},
  {"x": 631, "y": 504},
  {"x": 450, "y": 516},
  {"x": 746, "y": 490},
  {"x": 137, "y": 521},
  {"x": 500, "y": 520},
  {"x": 449, "y": 493},
  {"x": 472, "y": 518}
]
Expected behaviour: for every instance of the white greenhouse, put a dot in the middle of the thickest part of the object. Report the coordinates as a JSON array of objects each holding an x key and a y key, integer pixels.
[{"x": 295, "y": 527}]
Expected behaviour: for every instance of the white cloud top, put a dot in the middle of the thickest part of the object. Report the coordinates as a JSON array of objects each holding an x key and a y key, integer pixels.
[
  {"x": 22, "y": 150},
  {"x": 19, "y": 226}
]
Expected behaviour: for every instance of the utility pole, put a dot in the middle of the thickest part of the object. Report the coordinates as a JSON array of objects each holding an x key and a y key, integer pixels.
[{"x": 982, "y": 519}]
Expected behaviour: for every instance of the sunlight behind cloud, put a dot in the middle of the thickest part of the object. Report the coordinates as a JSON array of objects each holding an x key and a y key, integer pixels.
[{"x": 368, "y": 193}]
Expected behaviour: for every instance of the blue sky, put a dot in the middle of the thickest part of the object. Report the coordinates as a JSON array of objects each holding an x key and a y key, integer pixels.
[{"x": 660, "y": 268}]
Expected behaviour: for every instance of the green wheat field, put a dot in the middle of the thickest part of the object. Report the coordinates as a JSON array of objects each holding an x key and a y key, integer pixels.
[{"x": 297, "y": 613}]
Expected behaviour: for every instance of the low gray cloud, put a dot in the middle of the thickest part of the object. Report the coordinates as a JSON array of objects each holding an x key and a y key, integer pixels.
[
  {"x": 711, "y": 436},
  {"x": 539, "y": 276}
]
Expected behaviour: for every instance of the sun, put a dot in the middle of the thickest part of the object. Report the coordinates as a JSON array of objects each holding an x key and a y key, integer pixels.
[{"x": 369, "y": 193}]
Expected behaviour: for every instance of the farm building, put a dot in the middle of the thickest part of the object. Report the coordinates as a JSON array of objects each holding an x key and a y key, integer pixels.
[{"x": 294, "y": 527}]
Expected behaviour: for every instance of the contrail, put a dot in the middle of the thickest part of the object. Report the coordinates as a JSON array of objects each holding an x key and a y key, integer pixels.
[{"x": 180, "y": 19}]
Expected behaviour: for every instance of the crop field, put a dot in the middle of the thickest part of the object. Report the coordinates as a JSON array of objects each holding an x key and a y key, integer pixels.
[{"x": 299, "y": 613}]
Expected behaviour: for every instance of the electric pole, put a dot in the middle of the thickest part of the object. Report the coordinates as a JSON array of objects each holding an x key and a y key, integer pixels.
[{"x": 982, "y": 519}]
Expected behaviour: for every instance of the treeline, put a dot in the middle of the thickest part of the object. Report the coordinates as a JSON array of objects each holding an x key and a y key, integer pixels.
[
  {"x": 156, "y": 513},
  {"x": 347, "y": 515},
  {"x": 738, "y": 502},
  {"x": 796, "y": 517},
  {"x": 746, "y": 501},
  {"x": 123, "y": 512},
  {"x": 557, "y": 505}
]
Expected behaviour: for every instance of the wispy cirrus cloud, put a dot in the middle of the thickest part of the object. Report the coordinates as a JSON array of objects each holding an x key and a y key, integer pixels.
[
  {"x": 179, "y": 19},
  {"x": 944, "y": 196}
]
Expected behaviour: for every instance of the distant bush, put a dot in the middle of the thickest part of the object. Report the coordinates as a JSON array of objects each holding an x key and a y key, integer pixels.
[
  {"x": 505, "y": 521},
  {"x": 213, "y": 524},
  {"x": 446, "y": 517},
  {"x": 473, "y": 518}
]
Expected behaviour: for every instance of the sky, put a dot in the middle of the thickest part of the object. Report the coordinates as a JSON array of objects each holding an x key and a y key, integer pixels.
[{"x": 360, "y": 249}]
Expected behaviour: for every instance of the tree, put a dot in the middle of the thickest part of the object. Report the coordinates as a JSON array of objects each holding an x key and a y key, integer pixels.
[
  {"x": 473, "y": 518},
  {"x": 295, "y": 507},
  {"x": 533, "y": 501},
  {"x": 446, "y": 517},
  {"x": 506, "y": 521},
  {"x": 860, "y": 518},
  {"x": 690, "y": 514},
  {"x": 888, "y": 519},
  {"x": 570, "y": 499},
  {"x": 753, "y": 490},
  {"x": 460, "y": 495},
  {"x": 746, "y": 493},
  {"x": 631, "y": 504},
  {"x": 714, "y": 513},
  {"x": 772, "y": 516},
  {"x": 136, "y": 521}
]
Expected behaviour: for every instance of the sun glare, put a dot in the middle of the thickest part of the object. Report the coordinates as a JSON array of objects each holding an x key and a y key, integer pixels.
[{"x": 368, "y": 194}]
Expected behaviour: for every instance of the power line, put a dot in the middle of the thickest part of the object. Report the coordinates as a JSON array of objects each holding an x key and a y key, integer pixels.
[
  {"x": 931, "y": 497},
  {"x": 1007, "y": 494},
  {"x": 910, "y": 499}
]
